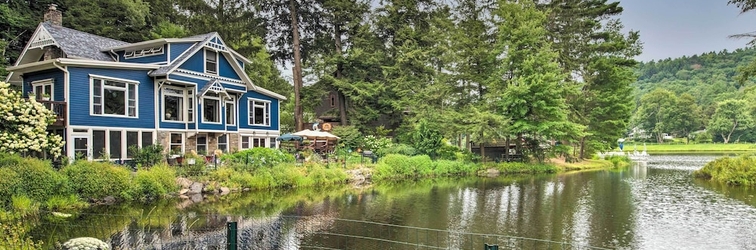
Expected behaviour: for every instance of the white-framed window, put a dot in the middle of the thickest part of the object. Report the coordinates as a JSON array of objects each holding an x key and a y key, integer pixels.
[
  {"x": 253, "y": 142},
  {"x": 202, "y": 144},
  {"x": 177, "y": 143},
  {"x": 43, "y": 88},
  {"x": 211, "y": 108},
  {"x": 259, "y": 112},
  {"x": 173, "y": 104},
  {"x": 144, "y": 52},
  {"x": 230, "y": 113},
  {"x": 113, "y": 97},
  {"x": 223, "y": 143},
  {"x": 113, "y": 144},
  {"x": 211, "y": 62}
]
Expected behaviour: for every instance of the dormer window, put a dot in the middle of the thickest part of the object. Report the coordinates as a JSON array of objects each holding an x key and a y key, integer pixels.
[
  {"x": 144, "y": 52},
  {"x": 211, "y": 62}
]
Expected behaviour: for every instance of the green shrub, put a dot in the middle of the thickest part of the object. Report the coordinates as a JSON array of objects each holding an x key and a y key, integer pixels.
[
  {"x": 618, "y": 161},
  {"x": 59, "y": 203},
  {"x": 525, "y": 168},
  {"x": 157, "y": 181},
  {"x": 448, "y": 152},
  {"x": 9, "y": 181},
  {"x": 36, "y": 179},
  {"x": 375, "y": 144},
  {"x": 289, "y": 176},
  {"x": 397, "y": 148},
  {"x": 733, "y": 171},
  {"x": 349, "y": 136},
  {"x": 96, "y": 180},
  {"x": 256, "y": 158},
  {"x": 451, "y": 168},
  {"x": 13, "y": 235},
  {"x": 148, "y": 156},
  {"x": 322, "y": 176},
  {"x": 420, "y": 165}
]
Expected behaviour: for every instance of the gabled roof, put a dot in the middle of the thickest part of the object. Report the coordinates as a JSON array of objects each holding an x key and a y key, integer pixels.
[
  {"x": 78, "y": 44},
  {"x": 162, "y": 71}
]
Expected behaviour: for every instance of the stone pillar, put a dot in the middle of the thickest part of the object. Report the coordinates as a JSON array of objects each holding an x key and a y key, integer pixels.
[
  {"x": 212, "y": 143},
  {"x": 164, "y": 138},
  {"x": 191, "y": 144},
  {"x": 233, "y": 143}
]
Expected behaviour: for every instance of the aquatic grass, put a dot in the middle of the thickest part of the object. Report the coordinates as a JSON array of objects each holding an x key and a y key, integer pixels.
[
  {"x": 738, "y": 171},
  {"x": 525, "y": 168}
]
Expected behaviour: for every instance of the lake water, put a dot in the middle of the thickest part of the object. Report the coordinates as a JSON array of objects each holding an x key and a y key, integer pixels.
[{"x": 653, "y": 205}]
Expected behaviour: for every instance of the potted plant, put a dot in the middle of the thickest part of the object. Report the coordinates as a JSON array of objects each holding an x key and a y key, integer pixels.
[
  {"x": 192, "y": 157},
  {"x": 45, "y": 96}
]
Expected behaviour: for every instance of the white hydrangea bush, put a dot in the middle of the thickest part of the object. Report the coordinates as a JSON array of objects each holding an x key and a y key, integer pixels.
[{"x": 23, "y": 124}]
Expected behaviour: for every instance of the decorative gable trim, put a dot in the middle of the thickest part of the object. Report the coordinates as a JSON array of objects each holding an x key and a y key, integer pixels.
[
  {"x": 41, "y": 39},
  {"x": 214, "y": 87},
  {"x": 215, "y": 44}
]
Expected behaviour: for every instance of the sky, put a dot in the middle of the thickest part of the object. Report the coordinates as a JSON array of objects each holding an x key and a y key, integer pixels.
[{"x": 673, "y": 28}]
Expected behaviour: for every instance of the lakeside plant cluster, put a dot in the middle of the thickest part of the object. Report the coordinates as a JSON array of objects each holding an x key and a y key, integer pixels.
[
  {"x": 31, "y": 185},
  {"x": 735, "y": 171}
]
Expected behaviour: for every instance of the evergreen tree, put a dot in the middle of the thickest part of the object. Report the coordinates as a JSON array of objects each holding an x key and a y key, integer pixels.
[
  {"x": 597, "y": 59},
  {"x": 124, "y": 20},
  {"x": 527, "y": 83}
]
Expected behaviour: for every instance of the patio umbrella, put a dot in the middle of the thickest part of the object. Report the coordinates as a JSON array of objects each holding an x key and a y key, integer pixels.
[
  {"x": 316, "y": 135},
  {"x": 289, "y": 137}
]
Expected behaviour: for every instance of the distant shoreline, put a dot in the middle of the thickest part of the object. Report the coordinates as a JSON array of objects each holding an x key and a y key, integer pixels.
[{"x": 702, "y": 148}]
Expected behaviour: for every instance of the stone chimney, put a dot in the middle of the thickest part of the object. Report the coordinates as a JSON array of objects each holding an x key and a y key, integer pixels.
[{"x": 53, "y": 15}]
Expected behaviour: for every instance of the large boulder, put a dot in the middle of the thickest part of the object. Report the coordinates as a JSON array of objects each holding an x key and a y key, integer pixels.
[
  {"x": 183, "y": 182},
  {"x": 196, "y": 188}
]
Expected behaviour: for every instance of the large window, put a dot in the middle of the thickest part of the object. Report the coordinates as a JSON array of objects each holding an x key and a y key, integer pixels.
[
  {"x": 259, "y": 112},
  {"x": 43, "y": 89},
  {"x": 132, "y": 142},
  {"x": 253, "y": 142},
  {"x": 98, "y": 144},
  {"x": 230, "y": 113},
  {"x": 211, "y": 62},
  {"x": 202, "y": 144},
  {"x": 177, "y": 143},
  {"x": 115, "y": 144},
  {"x": 114, "y": 97},
  {"x": 211, "y": 108},
  {"x": 223, "y": 143},
  {"x": 173, "y": 104}
]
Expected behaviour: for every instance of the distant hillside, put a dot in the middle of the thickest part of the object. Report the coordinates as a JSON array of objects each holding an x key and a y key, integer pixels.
[{"x": 708, "y": 77}]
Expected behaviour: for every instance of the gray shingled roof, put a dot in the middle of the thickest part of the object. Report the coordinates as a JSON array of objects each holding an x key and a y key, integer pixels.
[
  {"x": 81, "y": 44},
  {"x": 162, "y": 71}
]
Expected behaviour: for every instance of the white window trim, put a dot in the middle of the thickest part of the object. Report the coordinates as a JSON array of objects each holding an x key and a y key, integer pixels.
[
  {"x": 251, "y": 110},
  {"x": 219, "y": 109},
  {"x": 185, "y": 99},
  {"x": 204, "y": 62},
  {"x": 227, "y": 143},
  {"x": 207, "y": 143},
  {"x": 235, "y": 111},
  {"x": 183, "y": 143},
  {"x": 43, "y": 83},
  {"x": 102, "y": 91}
]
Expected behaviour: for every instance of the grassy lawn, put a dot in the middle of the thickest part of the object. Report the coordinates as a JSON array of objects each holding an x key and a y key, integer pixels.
[{"x": 679, "y": 147}]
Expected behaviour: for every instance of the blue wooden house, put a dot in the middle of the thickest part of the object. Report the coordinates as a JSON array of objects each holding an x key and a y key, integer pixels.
[{"x": 187, "y": 93}]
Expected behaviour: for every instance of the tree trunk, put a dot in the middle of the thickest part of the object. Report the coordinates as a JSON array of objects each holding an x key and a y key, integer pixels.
[
  {"x": 506, "y": 150},
  {"x": 297, "y": 70},
  {"x": 339, "y": 68},
  {"x": 518, "y": 142},
  {"x": 582, "y": 147},
  {"x": 725, "y": 138},
  {"x": 468, "y": 147}
]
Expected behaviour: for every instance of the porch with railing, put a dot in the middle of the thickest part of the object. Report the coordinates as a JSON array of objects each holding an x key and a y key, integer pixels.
[{"x": 59, "y": 109}]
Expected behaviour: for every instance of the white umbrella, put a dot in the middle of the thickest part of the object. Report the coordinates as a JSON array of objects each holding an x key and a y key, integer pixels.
[{"x": 309, "y": 134}]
